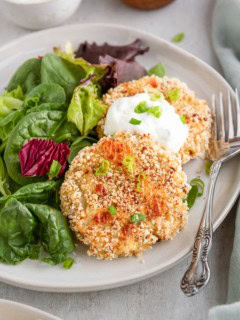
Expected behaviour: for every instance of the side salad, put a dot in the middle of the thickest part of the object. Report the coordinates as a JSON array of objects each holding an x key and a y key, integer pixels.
[{"x": 48, "y": 113}]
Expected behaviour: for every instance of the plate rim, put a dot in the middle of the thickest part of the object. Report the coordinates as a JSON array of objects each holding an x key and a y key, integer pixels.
[{"x": 44, "y": 287}]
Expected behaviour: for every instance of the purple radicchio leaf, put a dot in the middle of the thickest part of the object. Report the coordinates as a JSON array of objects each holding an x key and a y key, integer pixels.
[
  {"x": 37, "y": 155},
  {"x": 120, "y": 71},
  {"x": 92, "y": 52}
]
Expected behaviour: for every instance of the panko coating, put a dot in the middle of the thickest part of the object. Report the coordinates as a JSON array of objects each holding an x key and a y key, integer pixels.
[
  {"x": 123, "y": 194},
  {"x": 196, "y": 111}
]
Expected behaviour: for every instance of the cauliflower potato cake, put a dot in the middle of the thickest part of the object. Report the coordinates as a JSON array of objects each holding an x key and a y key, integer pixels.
[
  {"x": 123, "y": 194},
  {"x": 196, "y": 111}
]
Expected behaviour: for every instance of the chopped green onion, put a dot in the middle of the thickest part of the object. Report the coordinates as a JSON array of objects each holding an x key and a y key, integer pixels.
[
  {"x": 178, "y": 37},
  {"x": 68, "y": 263},
  {"x": 54, "y": 169},
  {"x": 141, "y": 107},
  {"x": 192, "y": 196},
  {"x": 196, "y": 191},
  {"x": 103, "y": 169},
  {"x": 157, "y": 97},
  {"x": 156, "y": 111},
  {"x": 141, "y": 179},
  {"x": 208, "y": 167},
  {"x": 135, "y": 121},
  {"x": 157, "y": 70},
  {"x": 137, "y": 217},
  {"x": 173, "y": 95},
  {"x": 200, "y": 184},
  {"x": 183, "y": 118},
  {"x": 129, "y": 163},
  {"x": 112, "y": 210}
]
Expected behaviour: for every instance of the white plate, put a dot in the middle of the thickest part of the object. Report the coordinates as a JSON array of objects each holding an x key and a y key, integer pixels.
[
  {"x": 88, "y": 273},
  {"x": 10, "y": 310}
]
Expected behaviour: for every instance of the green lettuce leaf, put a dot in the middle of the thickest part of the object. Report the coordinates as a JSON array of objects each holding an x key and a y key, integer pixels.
[
  {"x": 91, "y": 69},
  {"x": 10, "y": 101},
  {"x": 86, "y": 109},
  {"x": 4, "y": 189}
]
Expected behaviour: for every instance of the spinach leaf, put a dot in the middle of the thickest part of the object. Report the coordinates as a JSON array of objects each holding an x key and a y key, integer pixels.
[
  {"x": 85, "y": 109},
  {"x": 18, "y": 233},
  {"x": 55, "y": 235},
  {"x": 62, "y": 72},
  {"x": 25, "y": 228},
  {"x": 4, "y": 190},
  {"x": 10, "y": 101},
  {"x": 39, "y": 192},
  {"x": 44, "y": 124},
  {"x": 7, "y": 124},
  {"x": 67, "y": 131},
  {"x": 28, "y": 76},
  {"x": 45, "y": 93},
  {"x": 78, "y": 145},
  {"x": 46, "y": 107}
]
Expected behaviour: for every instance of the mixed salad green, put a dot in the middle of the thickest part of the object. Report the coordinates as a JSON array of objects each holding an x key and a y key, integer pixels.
[{"x": 51, "y": 98}]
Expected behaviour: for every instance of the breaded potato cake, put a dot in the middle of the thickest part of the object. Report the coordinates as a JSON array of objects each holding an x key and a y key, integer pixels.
[
  {"x": 196, "y": 111},
  {"x": 123, "y": 194}
]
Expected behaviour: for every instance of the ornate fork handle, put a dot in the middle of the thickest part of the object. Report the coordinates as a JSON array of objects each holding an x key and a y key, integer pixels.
[{"x": 198, "y": 273}]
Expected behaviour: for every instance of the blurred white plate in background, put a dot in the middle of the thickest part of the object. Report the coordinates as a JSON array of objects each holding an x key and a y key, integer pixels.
[{"x": 10, "y": 310}]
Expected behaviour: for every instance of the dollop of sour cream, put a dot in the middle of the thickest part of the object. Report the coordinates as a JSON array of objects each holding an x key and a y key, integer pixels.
[{"x": 168, "y": 129}]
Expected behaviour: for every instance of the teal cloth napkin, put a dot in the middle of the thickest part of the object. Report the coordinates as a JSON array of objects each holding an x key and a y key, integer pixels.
[{"x": 226, "y": 43}]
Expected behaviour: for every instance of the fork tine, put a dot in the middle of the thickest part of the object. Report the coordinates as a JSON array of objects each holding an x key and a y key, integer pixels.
[
  {"x": 227, "y": 116},
  {"x": 215, "y": 116},
  {"x": 220, "y": 117},
  {"x": 234, "y": 118}
]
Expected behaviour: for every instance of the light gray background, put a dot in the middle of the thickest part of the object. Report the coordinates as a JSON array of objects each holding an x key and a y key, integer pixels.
[{"x": 159, "y": 297}]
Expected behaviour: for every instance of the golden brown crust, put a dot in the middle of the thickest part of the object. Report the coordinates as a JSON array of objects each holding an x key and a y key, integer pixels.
[
  {"x": 196, "y": 111},
  {"x": 85, "y": 197}
]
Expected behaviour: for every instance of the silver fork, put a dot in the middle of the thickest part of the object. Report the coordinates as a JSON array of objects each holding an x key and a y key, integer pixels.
[{"x": 226, "y": 130}]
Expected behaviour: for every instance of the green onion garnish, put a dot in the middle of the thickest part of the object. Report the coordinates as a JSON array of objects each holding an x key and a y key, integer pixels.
[
  {"x": 103, "y": 169},
  {"x": 54, "y": 169},
  {"x": 196, "y": 191},
  {"x": 140, "y": 183},
  {"x": 68, "y": 263},
  {"x": 173, "y": 95},
  {"x": 183, "y": 118},
  {"x": 141, "y": 107},
  {"x": 135, "y": 121},
  {"x": 112, "y": 210},
  {"x": 137, "y": 217},
  {"x": 192, "y": 196},
  {"x": 178, "y": 37},
  {"x": 208, "y": 167},
  {"x": 129, "y": 163},
  {"x": 156, "y": 111},
  {"x": 157, "y": 70},
  {"x": 200, "y": 184},
  {"x": 157, "y": 97}
]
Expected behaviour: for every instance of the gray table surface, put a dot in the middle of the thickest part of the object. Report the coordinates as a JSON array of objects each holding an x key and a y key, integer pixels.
[{"x": 159, "y": 297}]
